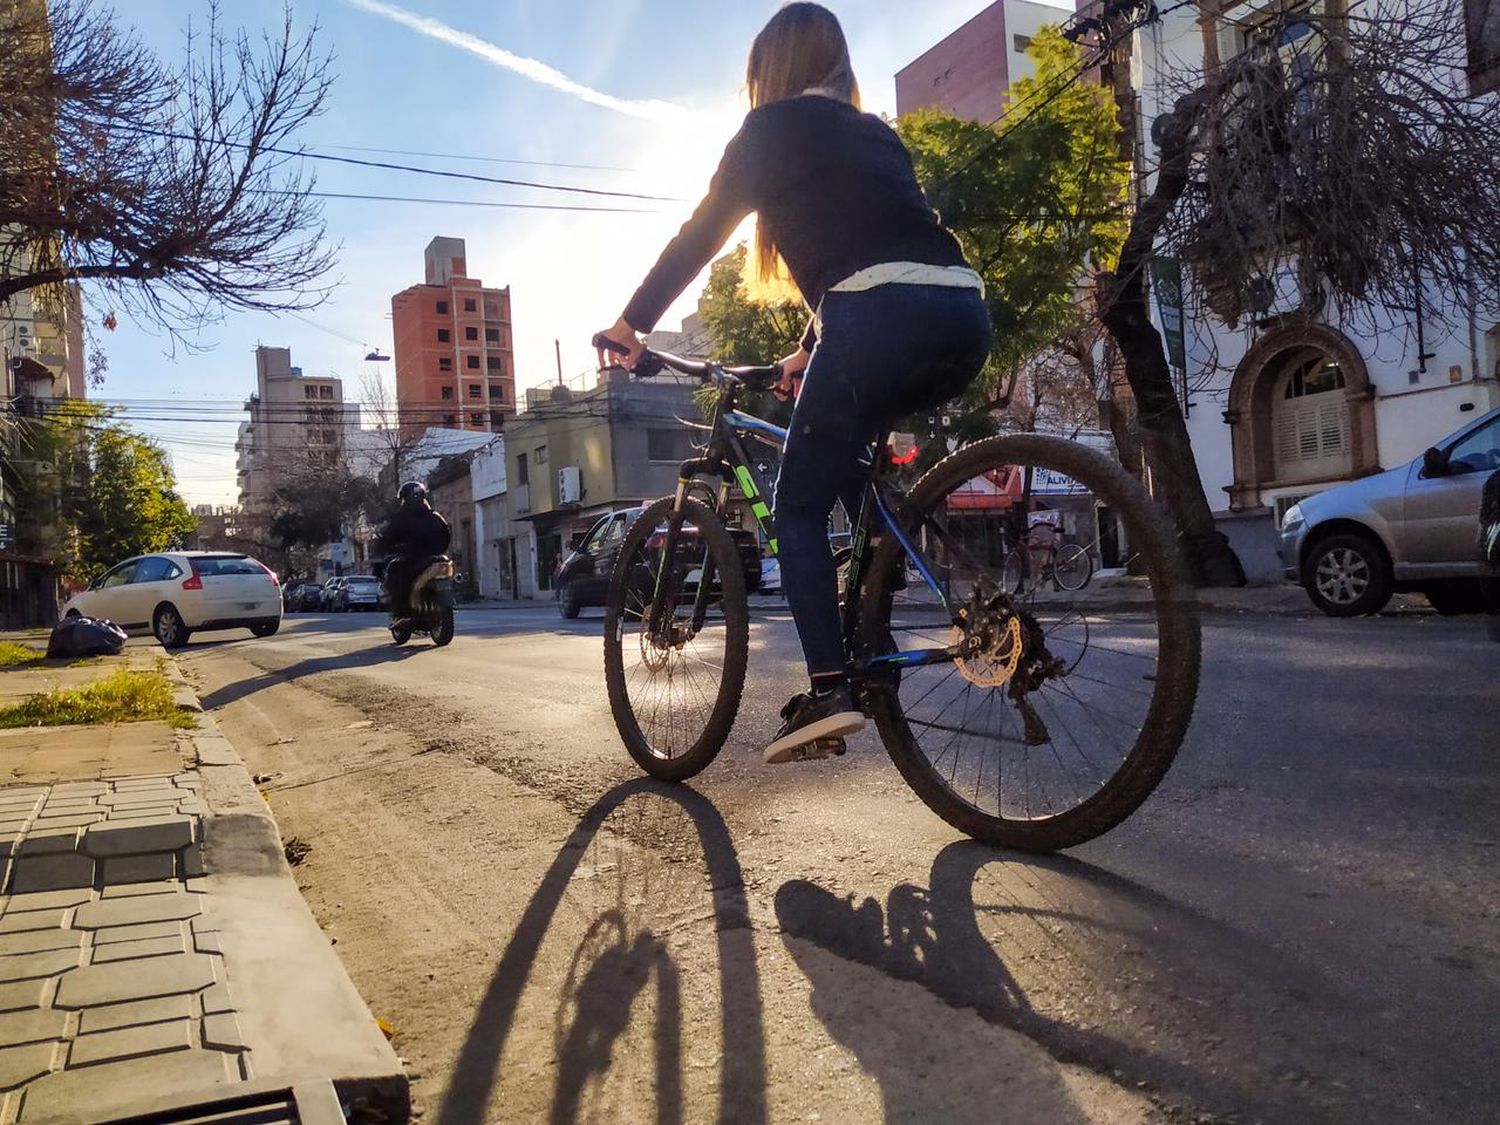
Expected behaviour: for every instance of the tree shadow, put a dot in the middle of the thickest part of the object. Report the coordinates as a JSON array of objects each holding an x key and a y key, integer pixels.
[
  {"x": 609, "y": 970},
  {"x": 339, "y": 662},
  {"x": 1127, "y": 935}
]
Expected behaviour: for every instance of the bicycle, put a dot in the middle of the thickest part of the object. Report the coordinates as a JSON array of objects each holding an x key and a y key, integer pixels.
[
  {"x": 1068, "y": 566},
  {"x": 978, "y": 695}
]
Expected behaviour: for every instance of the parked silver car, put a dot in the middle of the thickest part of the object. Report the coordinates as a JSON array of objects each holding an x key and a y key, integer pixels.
[{"x": 1409, "y": 528}]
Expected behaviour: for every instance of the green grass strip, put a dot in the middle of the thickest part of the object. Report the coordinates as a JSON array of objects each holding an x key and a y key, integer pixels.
[
  {"x": 12, "y": 654},
  {"x": 121, "y": 697}
]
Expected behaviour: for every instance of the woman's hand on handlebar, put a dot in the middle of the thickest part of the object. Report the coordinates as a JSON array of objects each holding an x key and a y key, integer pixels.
[
  {"x": 630, "y": 346},
  {"x": 790, "y": 383}
]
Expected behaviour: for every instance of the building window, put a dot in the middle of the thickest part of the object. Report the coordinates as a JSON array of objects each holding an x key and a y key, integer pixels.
[
  {"x": 471, "y": 333},
  {"x": 540, "y": 453},
  {"x": 1021, "y": 42},
  {"x": 325, "y": 392},
  {"x": 492, "y": 335},
  {"x": 447, "y": 393},
  {"x": 471, "y": 362},
  {"x": 444, "y": 335},
  {"x": 674, "y": 445},
  {"x": 497, "y": 419},
  {"x": 492, "y": 362},
  {"x": 1310, "y": 419},
  {"x": 476, "y": 391},
  {"x": 445, "y": 363},
  {"x": 491, "y": 309},
  {"x": 476, "y": 419},
  {"x": 442, "y": 308},
  {"x": 523, "y": 471},
  {"x": 497, "y": 394},
  {"x": 469, "y": 305},
  {"x": 450, "y": 420},
  {"x": 328, "y": 437},
  {"x": 309, "y": 392}
]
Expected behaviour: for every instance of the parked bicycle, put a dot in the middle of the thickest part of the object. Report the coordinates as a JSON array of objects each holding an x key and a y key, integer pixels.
[
  {"x": 1042, "y": 557},
  {"x": 1026, "y": 723}
]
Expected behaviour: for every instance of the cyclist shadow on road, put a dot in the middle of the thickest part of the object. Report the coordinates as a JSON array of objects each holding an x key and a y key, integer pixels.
[
  {"x": 1048, "y": 911},
  {"x": 630, "y": 926}
]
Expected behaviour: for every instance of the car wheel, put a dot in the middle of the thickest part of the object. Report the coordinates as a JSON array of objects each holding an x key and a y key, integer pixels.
[
  {"x": 168, "y": 628},
  {"x": 567, "y": 602},
  {"x": 265, "y": 628},
  {"x": 1347, "y": 575},
  {"x": 1459, "y": 596}
]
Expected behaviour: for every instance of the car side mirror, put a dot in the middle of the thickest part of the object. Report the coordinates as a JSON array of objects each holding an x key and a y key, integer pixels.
[
  {"x": 575, "y": 541},
  {"x": 1434, "y": 463}
]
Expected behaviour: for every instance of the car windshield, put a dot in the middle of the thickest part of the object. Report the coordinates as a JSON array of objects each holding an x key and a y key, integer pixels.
[{"x": 361, "y": 582}]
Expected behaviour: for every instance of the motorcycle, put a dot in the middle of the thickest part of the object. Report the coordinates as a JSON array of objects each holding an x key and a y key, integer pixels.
[{"x": 429, "y": 612}]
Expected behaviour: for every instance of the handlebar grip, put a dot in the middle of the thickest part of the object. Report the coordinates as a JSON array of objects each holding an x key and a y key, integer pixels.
[{"x": 604, "y": 343}]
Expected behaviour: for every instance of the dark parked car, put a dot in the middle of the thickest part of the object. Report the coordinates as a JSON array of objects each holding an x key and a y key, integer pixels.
[
  {"x": 1489, "y": 549},
  {"x": 583, "y": 574},
  {"x": 304, "y": 596}
]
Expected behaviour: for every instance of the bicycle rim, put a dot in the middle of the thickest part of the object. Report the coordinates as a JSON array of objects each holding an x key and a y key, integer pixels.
[
  {"x": 1064, "y": 720},
  {"x": 674, "y": 679}
]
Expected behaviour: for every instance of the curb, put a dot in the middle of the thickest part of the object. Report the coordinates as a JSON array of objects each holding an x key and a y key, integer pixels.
[{"x": 300, "y": 1013}]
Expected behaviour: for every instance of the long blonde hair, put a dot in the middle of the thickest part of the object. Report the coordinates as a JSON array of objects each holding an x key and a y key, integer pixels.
[{"x": 801, "y": 48}]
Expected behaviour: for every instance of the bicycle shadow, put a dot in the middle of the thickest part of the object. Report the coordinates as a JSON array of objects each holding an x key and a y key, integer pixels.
[
  {"x": 933, "y": 937},
  {"x": 610, "y": 969},
  {"x": 340, "y": 662}
]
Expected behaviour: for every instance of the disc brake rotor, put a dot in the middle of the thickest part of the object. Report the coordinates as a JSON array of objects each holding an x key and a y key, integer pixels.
[{"x": 994, "y": 664}]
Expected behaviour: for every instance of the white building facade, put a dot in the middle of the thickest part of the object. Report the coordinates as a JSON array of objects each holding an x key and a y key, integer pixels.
[{"x": 1284, "y": 406}]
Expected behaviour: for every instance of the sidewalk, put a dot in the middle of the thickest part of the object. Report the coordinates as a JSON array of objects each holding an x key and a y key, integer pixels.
[{"x": 155, "y": 953}]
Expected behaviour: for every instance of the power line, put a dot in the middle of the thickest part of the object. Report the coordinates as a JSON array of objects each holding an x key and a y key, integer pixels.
[
  {"x": 479, "y": 159},
  {"x": 490, "y": 203},
  {"x": 388, "y": 166}
]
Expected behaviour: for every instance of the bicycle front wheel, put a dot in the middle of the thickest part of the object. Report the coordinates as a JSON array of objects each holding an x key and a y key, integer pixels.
[
  {"x": 1060, "y": 713},
  {"x": 676, "y": 640}
]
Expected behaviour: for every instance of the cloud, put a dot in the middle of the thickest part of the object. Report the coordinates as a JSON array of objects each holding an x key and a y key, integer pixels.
[{"x": 533, "y": 69}]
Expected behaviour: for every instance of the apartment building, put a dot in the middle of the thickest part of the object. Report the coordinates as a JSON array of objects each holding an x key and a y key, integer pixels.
[
  {"x": 455, "y": 363},
  {"x": 969, "y": 72},
  {"x": 296, "y": 422}
]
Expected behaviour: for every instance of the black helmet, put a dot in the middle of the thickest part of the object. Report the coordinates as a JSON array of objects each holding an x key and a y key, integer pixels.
[{"x": 413, "y": 494}]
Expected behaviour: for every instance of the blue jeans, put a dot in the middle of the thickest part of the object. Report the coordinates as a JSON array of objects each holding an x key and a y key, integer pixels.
[{"x": 882, "y": 354}]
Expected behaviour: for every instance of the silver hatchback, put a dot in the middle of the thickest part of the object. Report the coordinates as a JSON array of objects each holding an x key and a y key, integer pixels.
[{"x": 1409, "y": 528}]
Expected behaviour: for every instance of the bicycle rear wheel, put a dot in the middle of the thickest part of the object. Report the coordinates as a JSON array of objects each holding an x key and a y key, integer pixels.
[
  {"x": 1072, "y": 568},
  {"x": 675, "y": 677},
  {"x": 1065, "y": 713}
]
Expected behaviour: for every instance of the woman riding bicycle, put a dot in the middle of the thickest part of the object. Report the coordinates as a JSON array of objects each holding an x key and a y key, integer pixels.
[{"x": 899, "y": 321}]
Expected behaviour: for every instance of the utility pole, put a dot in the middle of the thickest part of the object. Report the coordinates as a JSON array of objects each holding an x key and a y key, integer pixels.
[{"x": 557, "y": 344}]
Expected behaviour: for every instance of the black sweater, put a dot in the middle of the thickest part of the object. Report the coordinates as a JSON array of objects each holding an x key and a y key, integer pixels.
[{"x": 835, "y": 188}]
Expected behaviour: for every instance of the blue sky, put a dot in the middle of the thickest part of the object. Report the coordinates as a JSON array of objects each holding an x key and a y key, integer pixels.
[{"x": 402, "y": 89}]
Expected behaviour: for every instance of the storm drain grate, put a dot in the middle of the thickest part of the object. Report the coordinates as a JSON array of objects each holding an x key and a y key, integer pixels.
[{"x": 313, "y": 1103}]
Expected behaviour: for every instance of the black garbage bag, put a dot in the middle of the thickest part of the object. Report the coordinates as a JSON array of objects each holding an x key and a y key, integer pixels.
[{"x": 85, "y": 636}]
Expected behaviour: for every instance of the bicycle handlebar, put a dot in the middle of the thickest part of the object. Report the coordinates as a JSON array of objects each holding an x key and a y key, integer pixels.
[{"x": 652, "y": 363}]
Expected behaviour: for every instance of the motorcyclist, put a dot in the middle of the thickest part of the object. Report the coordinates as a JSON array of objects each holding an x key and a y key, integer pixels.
[{"x": 412, "y": 536}]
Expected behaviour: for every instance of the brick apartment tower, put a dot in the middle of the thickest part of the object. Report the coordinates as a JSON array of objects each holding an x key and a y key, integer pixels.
[{"x": 455, "y": 366}]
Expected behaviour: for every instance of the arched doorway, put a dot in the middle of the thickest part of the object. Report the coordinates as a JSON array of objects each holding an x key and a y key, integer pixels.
[{"x": 1301, "y": 412}]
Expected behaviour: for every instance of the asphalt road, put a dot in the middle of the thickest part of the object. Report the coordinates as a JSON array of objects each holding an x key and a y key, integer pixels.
[{"x": 1301, "y": 925}]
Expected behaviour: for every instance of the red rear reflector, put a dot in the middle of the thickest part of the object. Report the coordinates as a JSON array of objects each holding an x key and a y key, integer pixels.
[{"x": 193, "y": 583}]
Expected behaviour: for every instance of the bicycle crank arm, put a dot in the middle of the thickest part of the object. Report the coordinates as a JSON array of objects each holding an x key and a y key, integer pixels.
[{"x": 916, "y": 658}]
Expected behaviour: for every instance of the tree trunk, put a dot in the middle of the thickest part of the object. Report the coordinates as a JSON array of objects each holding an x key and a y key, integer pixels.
[{"x": 1125, "y": 312}]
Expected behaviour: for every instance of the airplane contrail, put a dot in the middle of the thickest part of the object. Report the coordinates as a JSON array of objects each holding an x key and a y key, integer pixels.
[{"x": 533, "y": 69}]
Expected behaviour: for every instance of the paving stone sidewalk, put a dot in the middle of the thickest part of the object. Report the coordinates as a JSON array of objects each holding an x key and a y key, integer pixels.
[{"x": 154, "y": 951}]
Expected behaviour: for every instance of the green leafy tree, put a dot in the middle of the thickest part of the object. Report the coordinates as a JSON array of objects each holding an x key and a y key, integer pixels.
[
  {"x": 1036, "y": 200},
  {"x": 126, "y": 502}
]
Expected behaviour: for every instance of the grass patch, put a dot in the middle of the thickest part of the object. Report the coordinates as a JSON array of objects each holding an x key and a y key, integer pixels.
[
  {"x": 121, "y": 697},
  {"x": 12, "y": 655}
]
